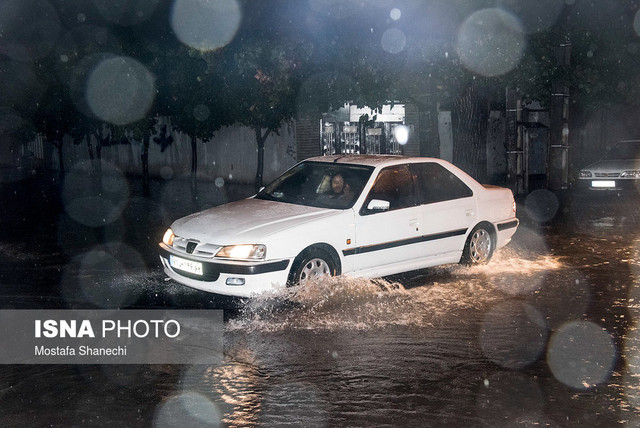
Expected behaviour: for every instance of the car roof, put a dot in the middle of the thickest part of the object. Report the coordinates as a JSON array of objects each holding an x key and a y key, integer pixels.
[{"x": 369, "y": 160}]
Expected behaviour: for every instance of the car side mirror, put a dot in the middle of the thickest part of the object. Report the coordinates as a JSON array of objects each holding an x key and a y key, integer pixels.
[{"x": 378, "y": 205}]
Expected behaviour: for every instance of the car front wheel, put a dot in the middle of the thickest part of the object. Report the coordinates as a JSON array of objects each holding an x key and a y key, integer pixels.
[
  {"x": 479, "y": 247},
  {"x": 312, "y": 266}
]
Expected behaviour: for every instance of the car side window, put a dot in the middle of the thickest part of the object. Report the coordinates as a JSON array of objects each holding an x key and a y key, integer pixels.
[
  {"x": 435, "y": 183},
  {"x": 395, "y": 185}
]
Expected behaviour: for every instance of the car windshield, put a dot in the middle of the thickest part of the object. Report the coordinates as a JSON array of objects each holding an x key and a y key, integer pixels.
[
  {"x": 624, "y": 150},
  {"x": 319, "y": 184}
]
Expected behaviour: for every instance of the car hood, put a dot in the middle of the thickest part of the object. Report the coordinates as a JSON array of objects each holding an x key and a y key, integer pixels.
[
  {"x": 614, "y": 165},
  {"x": 245, "y": 221}
]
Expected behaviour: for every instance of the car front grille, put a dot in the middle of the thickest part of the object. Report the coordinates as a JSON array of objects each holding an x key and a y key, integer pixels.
[
  {"x": 607, "y": 174},
  {"x": 195, "y": 248}
]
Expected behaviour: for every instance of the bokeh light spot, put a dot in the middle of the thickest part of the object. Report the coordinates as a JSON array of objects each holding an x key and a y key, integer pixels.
[
  {"x": 513, "y": 336},
  {"x": 187, "y": 409},
  {"x": 126, "y": 12},
  {"x": 395, "y": 14},
  {"x": 394, "y": 41},
  {"x": 206, "y": 25},
  {"x": 166, "y": 172},
  {"x": 107, "y": 276},
  {"x": 541, "y": 205},
  {"x": 491, "y": 42},
  {"x": 201, "y": 112},
  {"x": 95, "y": 203},
  {"x": 29, "y": 29},
  {"x": 401, "y": 133},
  {"x": 120, "y": 90},
  {"x": 536, "y": 15},
  {"x": 337, "y": 9},
  {"x": 581, "y": 354},
  {"x": 632, "y": 359}
]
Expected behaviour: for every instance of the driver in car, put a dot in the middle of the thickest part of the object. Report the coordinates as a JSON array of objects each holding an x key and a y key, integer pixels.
[
  {"x": 340, "y": 188},
  {"x": 340, "y": 191}
]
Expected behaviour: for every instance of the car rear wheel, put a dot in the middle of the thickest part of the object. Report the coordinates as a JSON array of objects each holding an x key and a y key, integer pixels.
[
  {"x": 479, "y": 247},
  {"x": 312, "y": 266}
]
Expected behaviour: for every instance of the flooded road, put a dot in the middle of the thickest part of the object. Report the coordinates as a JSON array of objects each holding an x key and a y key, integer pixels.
[{"x": 546, "y": 334}]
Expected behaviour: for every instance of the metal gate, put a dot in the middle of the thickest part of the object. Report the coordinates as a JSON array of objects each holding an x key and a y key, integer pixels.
[
  {"x": 338, "y": 138},
  {"x": 328, "y": 140},
  {"x": 374, "y": 140},
  {"x": 349, "y": 139}
]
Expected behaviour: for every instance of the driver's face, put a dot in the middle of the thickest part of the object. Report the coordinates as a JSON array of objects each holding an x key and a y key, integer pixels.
[{"x": 337, "y": 184}]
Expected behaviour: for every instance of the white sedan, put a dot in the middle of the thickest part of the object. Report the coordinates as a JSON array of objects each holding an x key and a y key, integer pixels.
[
  {"x": 358, "y": 215},
  {"x": 619, "y": 169}
]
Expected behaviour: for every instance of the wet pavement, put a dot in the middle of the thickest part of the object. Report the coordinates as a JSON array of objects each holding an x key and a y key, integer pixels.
[{"x": 546, "y": 334}]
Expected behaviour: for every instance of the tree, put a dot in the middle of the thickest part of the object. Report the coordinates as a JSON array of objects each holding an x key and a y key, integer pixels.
[
  {"x": 52, "y": 119},
  {"x": 260, "y": 77}
]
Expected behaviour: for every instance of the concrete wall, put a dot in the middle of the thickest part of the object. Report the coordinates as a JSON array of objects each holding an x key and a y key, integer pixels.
[{"x": 231, "y": 154}]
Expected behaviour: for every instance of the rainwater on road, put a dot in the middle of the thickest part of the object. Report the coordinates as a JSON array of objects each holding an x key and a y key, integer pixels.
[{"x": 544, "y": 335}]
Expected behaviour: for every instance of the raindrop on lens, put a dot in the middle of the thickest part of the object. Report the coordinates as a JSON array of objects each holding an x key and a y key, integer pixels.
[
  {"x": 636, "y": 23},
  {"x": 201, "y": 112},
  {"x": 394, "y": 41},
  {"x": 126, "y": 13},
  {"x": 104, "y": 275},
  {"x": 535, "y": 15},
  {"x": 166, "y": 172},
  {"x": 205, "y": 25},
  {"x": 491, "y": 42},
  {"x": 542, "y": 205},
  {"x": 90, "y": 205},
  {"x": 120, "y": 90},
  {"x": 581, "y": 354},
  {"x": 513, "y": 336},
  {"x": 187, "y": 409}
]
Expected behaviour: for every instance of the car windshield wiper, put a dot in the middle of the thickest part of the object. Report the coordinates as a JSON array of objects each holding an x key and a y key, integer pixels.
[{"x": 267, "y": 197}]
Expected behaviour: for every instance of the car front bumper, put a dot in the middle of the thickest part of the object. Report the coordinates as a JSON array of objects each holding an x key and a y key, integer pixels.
[
  {"x": 609, "y": 184},
  {"x": 233, "y": 278}
]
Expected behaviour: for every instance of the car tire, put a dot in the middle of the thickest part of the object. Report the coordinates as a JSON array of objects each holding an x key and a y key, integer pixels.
[
  {"x": 479, "y": 246},
  {"x": 311, "y": 265}
]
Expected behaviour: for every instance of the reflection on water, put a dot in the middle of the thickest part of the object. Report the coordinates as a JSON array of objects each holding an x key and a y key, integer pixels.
[{"x": 510, "y": 343}]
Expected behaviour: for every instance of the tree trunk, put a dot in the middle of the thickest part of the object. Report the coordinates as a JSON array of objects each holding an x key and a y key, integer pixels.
[
  {"x": 60, "y": 156},
  {"x": 470, "y": 115},
  {"x": 145, "y": 164},
  {"x": 194, "y": 157},
  {"x": 260, "y": 139},
  {"x": 90, "y": 149},
  {"x": 99, "y": 155}
]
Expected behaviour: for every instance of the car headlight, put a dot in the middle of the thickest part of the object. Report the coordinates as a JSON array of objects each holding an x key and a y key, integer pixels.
[
  {"x": 585, "y": 174},
  {"x": 168, "y": 237},
  {"x": 243, "y": 252},
  {"x": 631, "y": 174}
]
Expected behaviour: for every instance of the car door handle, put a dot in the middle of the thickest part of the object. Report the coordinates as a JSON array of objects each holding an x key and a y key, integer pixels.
[{"x": 469, "y": 212}]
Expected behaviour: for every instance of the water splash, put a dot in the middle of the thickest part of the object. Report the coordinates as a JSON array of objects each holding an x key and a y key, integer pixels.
[{"x": 344, "y": 303}]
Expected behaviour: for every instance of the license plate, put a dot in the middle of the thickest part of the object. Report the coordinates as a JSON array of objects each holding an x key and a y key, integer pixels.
[
  {"x": 185, "y": 265},
  {"x": 604, "y": 183}
]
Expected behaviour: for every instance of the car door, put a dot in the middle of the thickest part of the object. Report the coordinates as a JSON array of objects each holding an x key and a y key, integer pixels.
[
  {"x": 385, "y": 237},
  {"x": 448, "y": 208}
]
